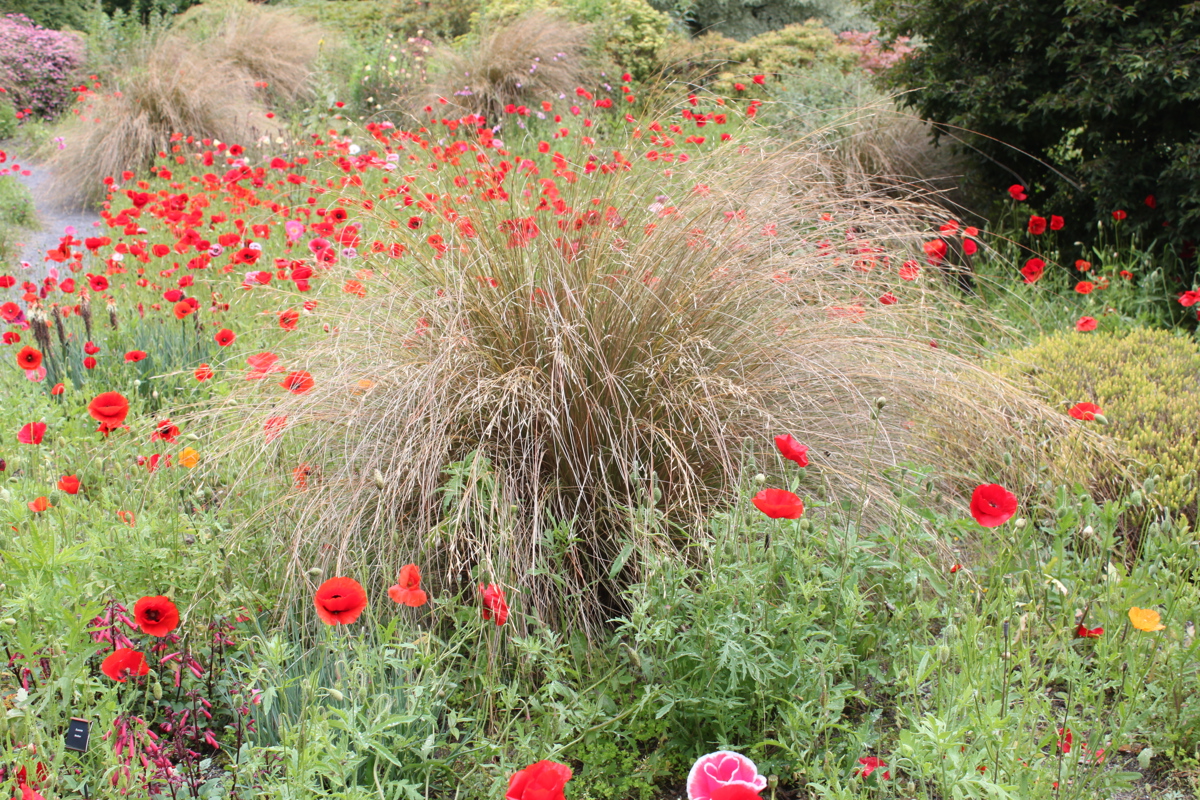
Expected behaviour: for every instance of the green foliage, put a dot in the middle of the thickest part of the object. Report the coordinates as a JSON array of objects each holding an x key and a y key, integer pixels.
[
  {"x": 16, "y": 214},
  {"x": 1144, "y": 382},
  {"x": 8, "y": 118},
  {"x": 56, "y": 14},
  {"x": 365, "y": 20},
  {"x": 1091, "y": 104}
]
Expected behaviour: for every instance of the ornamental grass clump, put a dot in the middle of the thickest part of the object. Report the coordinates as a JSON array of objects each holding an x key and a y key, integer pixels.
[
  {"x": 534, "y": 57},
  {"x": 511, "y": 384}
]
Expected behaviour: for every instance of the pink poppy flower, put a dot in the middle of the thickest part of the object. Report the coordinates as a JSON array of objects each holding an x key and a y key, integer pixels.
[{"x": 716, "y": 774}]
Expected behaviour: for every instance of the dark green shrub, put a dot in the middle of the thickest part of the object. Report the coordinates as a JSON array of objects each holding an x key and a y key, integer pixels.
[
  {"x": 744, "y": 19},
  {"x": 16, "y": 213},
  {"x": 1094, "y": 102},
  {"x": 52, "y": 13}
]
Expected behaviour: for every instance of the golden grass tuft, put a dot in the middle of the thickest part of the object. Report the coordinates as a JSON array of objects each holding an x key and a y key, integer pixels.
[
  {"x": 615, "y": 385},
  {"x": 203, "y": 78},
  {"x": 174, "y": 91},
  {"x": 534, "y": 57},
  {"x": 275, "y": 46}
]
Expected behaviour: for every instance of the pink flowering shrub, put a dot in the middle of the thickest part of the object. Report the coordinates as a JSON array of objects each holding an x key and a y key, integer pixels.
[
  {"x": 37, "y": 65},
  {"x": 873, "y": 55}
]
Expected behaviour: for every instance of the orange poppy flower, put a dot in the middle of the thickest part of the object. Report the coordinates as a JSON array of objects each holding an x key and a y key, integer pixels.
[
  {"x": 407, "y": 590},
  {"x": 1145, "y": 619}
]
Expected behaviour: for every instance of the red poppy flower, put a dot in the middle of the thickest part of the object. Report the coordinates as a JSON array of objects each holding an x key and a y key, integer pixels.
[
  {"x": 494, "y": 605},
  {"x": 1189, "y": 298},
  {"x": 288, "y": 319},
  {"x": 29, "y": 358},
  {"x": 407, "y": 590},
  {"x": 936, "y": 250},
  {"x": 39, "y": 504},
  {"x": 58, "y": 389},
  {"x": 31, "y": 433},
  {"x": 1151, "y": 201},
  {"x": 792, "y": 450},
  {"x": 887, "y": 299},
  {"x": 203, "y": 372},
  {"x": 1082, "y": 266},
  {"x": 1017, "y": 192},
  {"x": 909, "y": 271},
  {"x": 1084, "y": 632},
  {"x": 1085, "y": 287},
  {"x": 225, "y": 337},
  {"x": 98, "y": 283},
  {"x": 340, "y": 601},
  {"x": 89, "y": 363},
  {"x": 123, "y": 662},
  {"x": 134, "y": 356},
  {"x": 1119, "y": 215},
  {"x": 68, "y": 484},
  {"x": 165, "y": 432},
  {"x": 11, "y": 337},
  {"x": 298, "y": 382},
  {"x": 90, "y": 348},
  {"x": 183, "y": 309},
  {"x": 1033, "y": 269},
  {"x": 1084, "y": 411},
  {"x": 261, "y": 364},
  {"x": 1065, "y": 739},
  {"x": 992, "y": 505},
  {"x": 1085, "y": 324},
  {"x": 274, "y": 426},
  {"x": 109, "y": 409},
  {"x": 1056, "y": 223},
  {"x": 778, "y": 504},
  {"x": 544, "y": 780},
  {"x": 955, "y": 568},
  {"x": 156, "y": 615},
  {"x": 1037, "y": 225},
  {"x": 870, "y": 764}
]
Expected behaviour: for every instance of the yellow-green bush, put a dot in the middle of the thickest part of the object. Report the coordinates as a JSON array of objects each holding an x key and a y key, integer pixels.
[
  {"x": 1147, "y": 384},
  {"x": 774, "y": 53}
]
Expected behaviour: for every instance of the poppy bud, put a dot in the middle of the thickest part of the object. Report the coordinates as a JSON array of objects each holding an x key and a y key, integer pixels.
[
  {"x": 137, "y": 382},
  {"x": 760, "y": 479},
  {"x": 943, "y": 653},
  {"x": 1103, "y": 420},
  {"x": 195, "y": 437},
  {"x": 378, "y": 476},
  {"x": 336, "y": 695},
  {"x": 5, "y": 497},
  {"x": 315, "y": 571},
  {"x": 1089, "y": 531},
  {"x": 154, "y": 394},
  {"x": 657, "y": 493},
  {"x": 9, "y": 621},
  {"x": 880, "y": 402},
  {"x": 1135, "y": 498},
  {"x": 156, "y": 690},
  {"x": 1020, "y": 523},
  {"x": 1148, "y": 486},
  {"x": 804, "y": 526},
  {"x": 1008, "y": 459}
]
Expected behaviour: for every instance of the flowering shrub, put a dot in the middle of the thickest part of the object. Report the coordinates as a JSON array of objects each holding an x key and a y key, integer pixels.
[
  {"x": 37, "y": 66},
  {"x": 873, "y": 55}
]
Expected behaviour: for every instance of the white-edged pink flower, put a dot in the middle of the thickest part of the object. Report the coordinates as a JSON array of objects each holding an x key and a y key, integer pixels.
[
  {"x": 724, "y": 774},
  {"x": 294, "y": 229}
]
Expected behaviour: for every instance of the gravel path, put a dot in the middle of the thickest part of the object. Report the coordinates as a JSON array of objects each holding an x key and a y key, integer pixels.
[{"x": 55, "y": 219}]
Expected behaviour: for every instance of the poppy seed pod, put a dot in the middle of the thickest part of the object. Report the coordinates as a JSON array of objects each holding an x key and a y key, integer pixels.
[{"x": 1020, "y": 523}]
